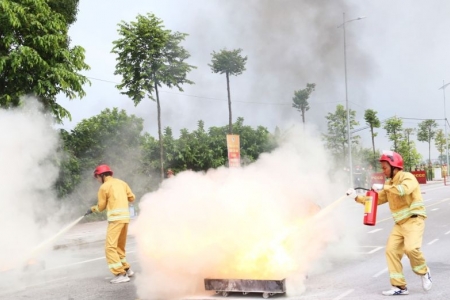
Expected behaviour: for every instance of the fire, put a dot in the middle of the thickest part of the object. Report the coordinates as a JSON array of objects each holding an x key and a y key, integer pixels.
[{"x": 271, "y": 257}]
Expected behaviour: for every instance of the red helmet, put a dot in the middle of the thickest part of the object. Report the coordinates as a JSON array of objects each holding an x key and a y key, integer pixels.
[
  {"x": 392, "y": 158},
  {"x": 102, "y": 169}
]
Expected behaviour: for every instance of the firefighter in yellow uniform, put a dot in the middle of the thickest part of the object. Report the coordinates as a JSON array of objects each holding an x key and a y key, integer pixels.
[
  {"x": 114, "y": 196},
  {"x": 402, "y": 191}
]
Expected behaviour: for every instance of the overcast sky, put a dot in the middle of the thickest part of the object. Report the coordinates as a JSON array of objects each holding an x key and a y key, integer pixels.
[{"x": 397, "y": 58}]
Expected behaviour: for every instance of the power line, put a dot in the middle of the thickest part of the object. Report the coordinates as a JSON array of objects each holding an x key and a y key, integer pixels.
[
  {"x": 418, "y": 119},
  {"x": 200, "y": 97},
  {"x": 216, "y": 99}
]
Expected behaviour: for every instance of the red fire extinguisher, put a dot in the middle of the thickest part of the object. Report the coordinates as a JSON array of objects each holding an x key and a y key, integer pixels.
[{"x": 370, "y": 208}]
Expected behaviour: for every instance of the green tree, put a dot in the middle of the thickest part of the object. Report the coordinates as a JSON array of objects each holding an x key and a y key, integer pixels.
[
  {"x": 112, "y": 137},
  {"x": 108, "y": 137},
  {"x": 363, "y": 156},
  {"x": 407, "y": 147},
  {"x": 393, "y": 127},
  {"x": 150, "y": 155},
  {"x": 253, "y": 142},
  {"x": 69, "y": 168},
  {"x": 301, "y": 99},
  {"x": 67, "y": 8},
  {"x": 35, "y": 56},
  {"x": 370, "y": 116},
  {"x": 426, "y": 133},
  {"x": 441, "y": 145},
  {"x": 337, "y": 137},
  {"x": 202, "y": 150},
  {"x": 169, "y": 147},
  {"x": 231, "y": 63},
  {"x": 150, "y": 56},
  {"x": 194, "y": 151}
]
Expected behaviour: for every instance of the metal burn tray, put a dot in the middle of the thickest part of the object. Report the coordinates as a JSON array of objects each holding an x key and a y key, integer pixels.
[{"x": 266, "y": 287}]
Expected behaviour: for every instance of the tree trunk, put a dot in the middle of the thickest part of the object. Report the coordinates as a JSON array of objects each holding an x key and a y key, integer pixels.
[
  {"x": 409, "y": 154},
  {"x": 161, "y": 147},
  {"x": 303, "y": 116},
  {"x": 395, "y": 141},
  {"x": 230, "y": 123},
  {"x": 429, "y": 151},
  {"x": 373, "y": 145}
]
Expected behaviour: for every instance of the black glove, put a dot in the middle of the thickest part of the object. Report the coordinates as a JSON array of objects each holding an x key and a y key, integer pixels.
[{"x": 88, "y": 212}]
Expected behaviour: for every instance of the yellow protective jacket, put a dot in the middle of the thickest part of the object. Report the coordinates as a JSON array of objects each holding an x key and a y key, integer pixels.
[
  {"x": 404, "y": 197},
  {"x": 114, "y": 195}
]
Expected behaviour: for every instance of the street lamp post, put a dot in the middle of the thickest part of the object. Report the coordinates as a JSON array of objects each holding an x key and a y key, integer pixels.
[
  {"x": 445, "y": 121},
  {"x": 346, "y": 99}
]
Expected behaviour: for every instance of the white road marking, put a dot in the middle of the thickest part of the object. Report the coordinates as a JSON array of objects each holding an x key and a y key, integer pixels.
[
  {"x": 81, "y": 262},
  {"x": 77, "y": 263},
  {"x": 433, "y": 241},
  {"x": 375, "y": 230},
  {"x": 380, "y": 273},
  {"x": 46, "y": 282},
  {"x": 435, "y": 209},
  {"x": 447, "y": 232},
  {"x": 436, "y": 188},
  {"x": 375, "y": 250},
  {"x": 344, "y": 294}
]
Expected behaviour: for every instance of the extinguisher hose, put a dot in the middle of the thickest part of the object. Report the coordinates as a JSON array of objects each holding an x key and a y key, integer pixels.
[{"x": 361, "y": 188}]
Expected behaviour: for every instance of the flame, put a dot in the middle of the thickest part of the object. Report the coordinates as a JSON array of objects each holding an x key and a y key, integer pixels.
[
  {"x": 265, "y": 255},
  {"x": 272, "y": 257}
]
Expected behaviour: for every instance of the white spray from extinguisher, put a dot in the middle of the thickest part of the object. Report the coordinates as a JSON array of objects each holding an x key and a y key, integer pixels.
[{"x": 50, "y": 240}]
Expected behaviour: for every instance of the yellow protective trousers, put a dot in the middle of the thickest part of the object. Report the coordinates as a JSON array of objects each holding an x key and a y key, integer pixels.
[
  {"x": 405, "y": 238},
  {"x": 116, "y": 239}
]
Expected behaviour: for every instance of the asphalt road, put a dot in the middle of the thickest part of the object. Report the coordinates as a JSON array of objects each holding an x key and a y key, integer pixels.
[
  {"x": 366, "y": 276},
  {"x": 80, "y": 272},
  {"x": 72, "y": 273}
]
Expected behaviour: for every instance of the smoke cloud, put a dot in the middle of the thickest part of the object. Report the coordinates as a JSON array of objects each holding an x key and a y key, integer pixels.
[
  {"x": 264, "y": 221},
  {"x": 289, "y": 43},
  {"x": 28, "y": 169}
]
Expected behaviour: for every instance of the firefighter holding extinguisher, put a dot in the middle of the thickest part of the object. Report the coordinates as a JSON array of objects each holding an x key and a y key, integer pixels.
[{"x": 402, "y": 191}]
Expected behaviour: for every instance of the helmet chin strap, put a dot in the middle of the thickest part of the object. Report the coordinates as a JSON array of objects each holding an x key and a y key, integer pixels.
[{"x": 392, "y": 172}]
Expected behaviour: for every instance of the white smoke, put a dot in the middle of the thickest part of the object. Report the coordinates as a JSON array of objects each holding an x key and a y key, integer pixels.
[
  {"x": 248, "y": 223},
  {"x": 28, "y": 170}
]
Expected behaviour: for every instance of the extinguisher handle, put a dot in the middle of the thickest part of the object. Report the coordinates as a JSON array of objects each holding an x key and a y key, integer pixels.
[{"x": 377, "y": 186}]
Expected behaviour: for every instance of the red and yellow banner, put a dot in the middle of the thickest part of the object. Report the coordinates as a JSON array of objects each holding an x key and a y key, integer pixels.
[
  {"x": 234, "y": 152},
  {"x": 421, "y": 176},
  {"x": 379, "y": 177}
]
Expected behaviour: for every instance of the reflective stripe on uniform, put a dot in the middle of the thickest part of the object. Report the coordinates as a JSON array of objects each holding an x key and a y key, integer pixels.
[
  {"x": 115, "y": 265},
  {"x": 402, "y": 214},
  {"x": 119, "y": 210},
  {"x": 124, "y": 260},
  {"x": 400, "y": 190},
  {"x": 418, "y": 268},
  {"x": 408, "y": 212},
  {"x": 396, "y": 275},
  {"x": 118, "y": 214},
  {"x": 416, "y": 204},
  {"x": 111, "y": 219}
]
